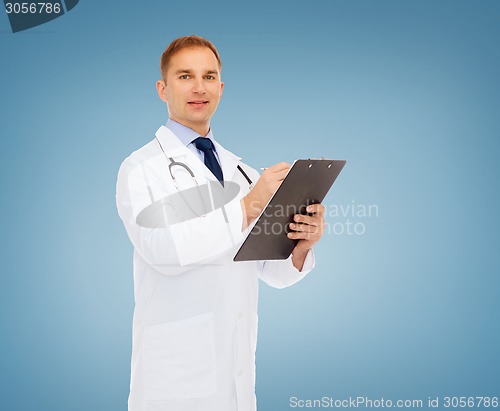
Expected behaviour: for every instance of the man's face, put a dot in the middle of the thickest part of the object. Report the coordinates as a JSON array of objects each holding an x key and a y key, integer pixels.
[{"x": 193, "y": 87}]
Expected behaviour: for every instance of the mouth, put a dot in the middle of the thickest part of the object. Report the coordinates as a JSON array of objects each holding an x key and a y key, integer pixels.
[{"x": 197, "y": 103}]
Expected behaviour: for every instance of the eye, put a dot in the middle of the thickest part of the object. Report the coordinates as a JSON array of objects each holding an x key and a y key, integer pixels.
[
  {"x": 210, "y": 77},
  {"x": 184, "y": 76}
]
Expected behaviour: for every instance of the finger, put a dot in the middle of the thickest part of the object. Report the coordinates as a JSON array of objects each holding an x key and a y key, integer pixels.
[
  {"x": 275, "y": 176},
  {"x": 318, "y": 209},
  {"x": 314, "y": 220},
  {"x": 279, "y": 167},
  {"x": 280, "y": 175},
  {"x": 301, "y": 235},
  {"x": 306, "y": 228}
]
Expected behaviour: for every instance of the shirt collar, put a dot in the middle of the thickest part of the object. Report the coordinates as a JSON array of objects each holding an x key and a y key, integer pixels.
[{"x": 185, "y": 134}]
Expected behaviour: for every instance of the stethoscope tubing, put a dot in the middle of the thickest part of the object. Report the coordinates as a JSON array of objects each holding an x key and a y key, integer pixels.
[{"x": 174, "y": 163}]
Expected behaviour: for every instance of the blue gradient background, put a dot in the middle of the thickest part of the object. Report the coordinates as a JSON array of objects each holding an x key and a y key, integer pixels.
[{"x": 407, "y": 92}]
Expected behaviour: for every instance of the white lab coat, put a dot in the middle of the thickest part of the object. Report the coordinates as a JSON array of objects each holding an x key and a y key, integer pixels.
[{"x": 195, "y": 317}]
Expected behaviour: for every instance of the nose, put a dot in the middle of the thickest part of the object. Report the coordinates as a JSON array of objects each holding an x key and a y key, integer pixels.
[{"x": 198, "y": 86}]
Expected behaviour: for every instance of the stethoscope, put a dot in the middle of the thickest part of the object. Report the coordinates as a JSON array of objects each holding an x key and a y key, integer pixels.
[{"x": 174, "y": 163}]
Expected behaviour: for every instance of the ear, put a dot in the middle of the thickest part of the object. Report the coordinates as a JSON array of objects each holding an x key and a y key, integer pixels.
[
  {"x": 161, "y": 89},
  {"x": 221, "y": 88}
]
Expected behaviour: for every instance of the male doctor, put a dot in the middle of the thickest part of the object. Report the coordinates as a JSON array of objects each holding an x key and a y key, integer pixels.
[{"x": 195, "y": 317}]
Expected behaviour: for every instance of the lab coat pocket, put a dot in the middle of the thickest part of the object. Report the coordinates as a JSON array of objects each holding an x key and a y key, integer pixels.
[{"x": 179, "y": 359}]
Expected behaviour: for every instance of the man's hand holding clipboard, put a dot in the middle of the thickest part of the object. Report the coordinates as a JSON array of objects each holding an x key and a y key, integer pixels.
[
  {"x": 286, "y": 199},
  {"x": 307, "y": 229}
]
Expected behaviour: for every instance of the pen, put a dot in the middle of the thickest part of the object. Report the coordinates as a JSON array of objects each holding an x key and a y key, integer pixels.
[{"x": 263, "y": 168}]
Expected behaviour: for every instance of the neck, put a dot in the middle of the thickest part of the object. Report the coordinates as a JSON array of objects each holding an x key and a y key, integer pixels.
[{"x": 201, "y": 129}]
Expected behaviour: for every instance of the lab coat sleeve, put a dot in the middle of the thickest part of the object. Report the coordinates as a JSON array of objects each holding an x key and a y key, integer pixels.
[
  {"x": 181, "y": 246},
  {"x": 282, "y": 273}
]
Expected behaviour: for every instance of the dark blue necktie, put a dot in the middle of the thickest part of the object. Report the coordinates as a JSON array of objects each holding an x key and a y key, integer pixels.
[{"x": 205, "y": 144}]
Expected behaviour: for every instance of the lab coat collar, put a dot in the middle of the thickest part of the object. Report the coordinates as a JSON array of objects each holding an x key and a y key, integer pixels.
[
  {"x": 174, "y": 148},
  {"x": 170, "y": 143}
]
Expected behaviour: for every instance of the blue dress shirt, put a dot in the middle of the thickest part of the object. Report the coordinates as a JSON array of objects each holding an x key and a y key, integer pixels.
[{"x": 187, "y": 135}]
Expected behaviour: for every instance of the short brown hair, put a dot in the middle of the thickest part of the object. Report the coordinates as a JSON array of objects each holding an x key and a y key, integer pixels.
[{"x": 182, "y": 43}]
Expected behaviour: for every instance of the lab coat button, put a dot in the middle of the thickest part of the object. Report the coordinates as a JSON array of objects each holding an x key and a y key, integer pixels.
[
  {"x": 240, "y": 372},
  {"x": 240, "y": 315}
]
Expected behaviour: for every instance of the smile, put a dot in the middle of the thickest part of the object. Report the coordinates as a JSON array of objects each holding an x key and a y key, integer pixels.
[{"x": 198, "y": 102}]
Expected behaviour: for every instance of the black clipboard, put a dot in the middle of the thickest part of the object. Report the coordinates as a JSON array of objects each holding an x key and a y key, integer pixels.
[{"x": 307, "y": 182}]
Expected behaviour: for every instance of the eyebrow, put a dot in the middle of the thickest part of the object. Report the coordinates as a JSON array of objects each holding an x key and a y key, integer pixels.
[{"x": 188, "y": 71}]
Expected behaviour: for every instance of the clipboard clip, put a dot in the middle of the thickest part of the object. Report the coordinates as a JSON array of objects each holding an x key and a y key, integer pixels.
[{"x": 321, "y": 158}]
